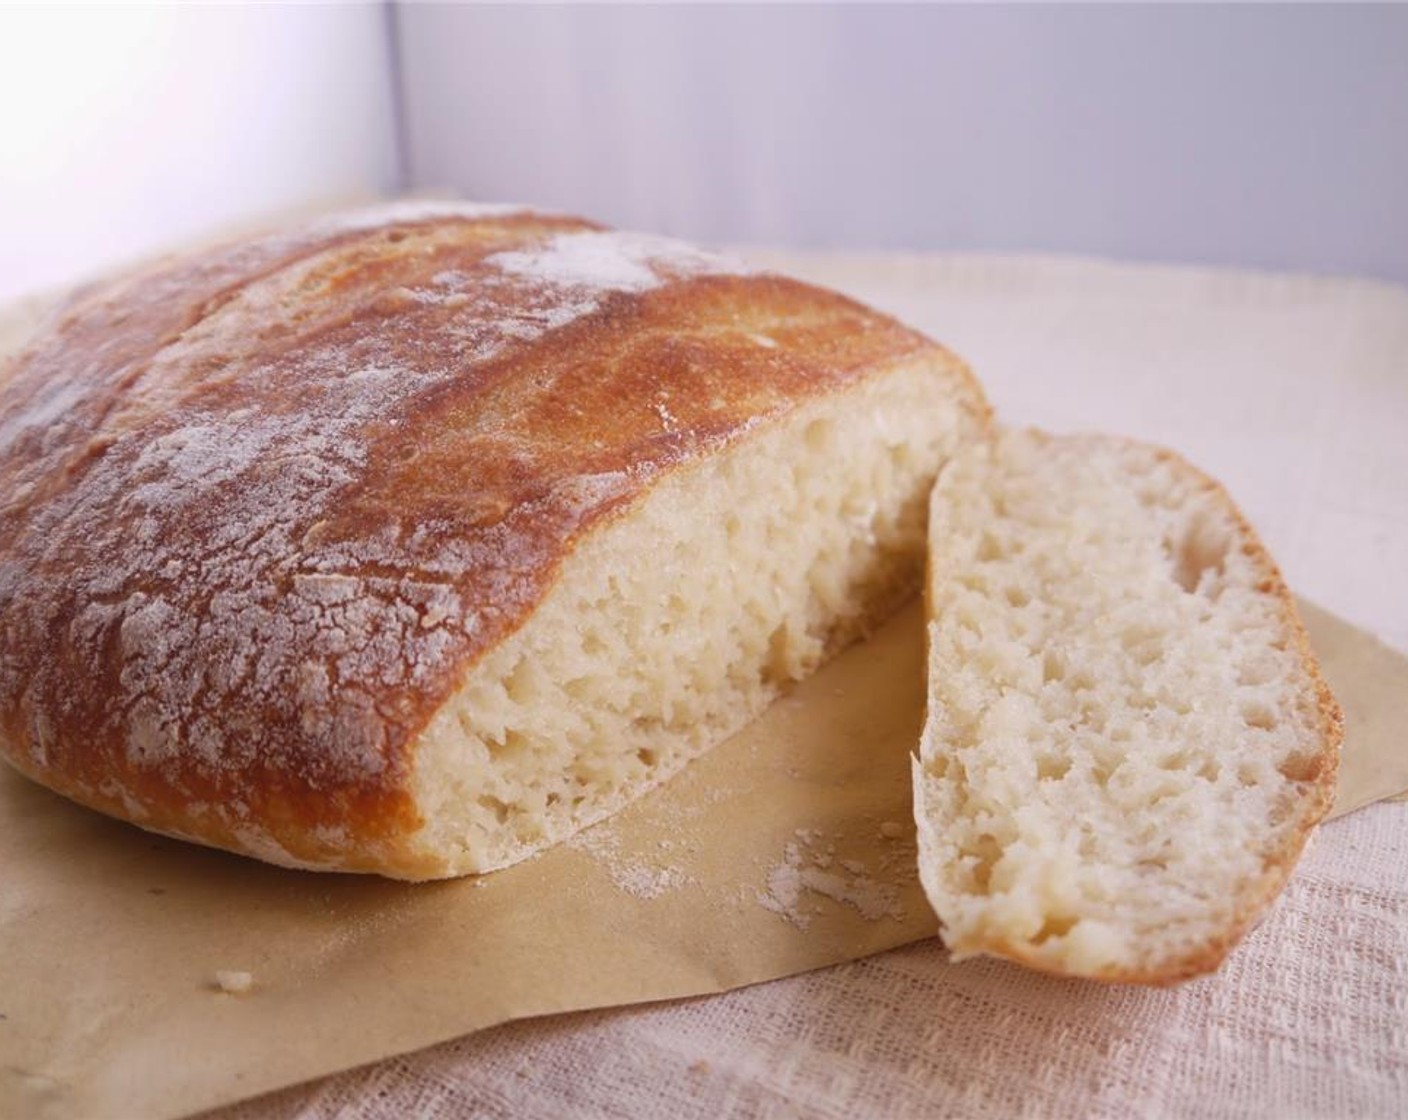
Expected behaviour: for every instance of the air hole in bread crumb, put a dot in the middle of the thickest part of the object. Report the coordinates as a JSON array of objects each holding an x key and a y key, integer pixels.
[
  {"x": 989, "y": 548},
  {"x": 775, "y": 672},
  {"x": 1260, "y": 672},
  {"x": 1247, "y": 774},
  {"x": 1210, "y": 771},
  {"x": 1053, "y": 667},
  {"x": 523, "y": 684},
  {"x": 1203, "y": 549},
  {"x": 965, "y": 619},
  {"x": 495, "y": 806},
  {"x": 1052, "y": 768},
  {"x": 646, "y": 756},
  {"x": 987, "y": 852},
  {"x": 820, "y": 435},
  {"x": 1053, "y": 927},
  {"x": 1259, "y": 716},
  {"x": 580, "y": 688},
  {"x": 513, "y": 745},
  {"x": 1017, "y": 597},
  {"x": 1300, "y": 768},
  {"x": 1148, "y": 653}
]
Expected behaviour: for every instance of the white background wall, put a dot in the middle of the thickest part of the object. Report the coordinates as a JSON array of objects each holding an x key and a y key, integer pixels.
[
  {"x": 126, "y": 129},
  {"x": 1251, "y": 135},
  {"x": 1245, "y": 135}
]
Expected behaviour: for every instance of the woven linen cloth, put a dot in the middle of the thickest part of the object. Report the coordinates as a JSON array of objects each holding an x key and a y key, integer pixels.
[
  {"x": 1293, "y": 391},
  {"x": 1308, "y": 1018}
]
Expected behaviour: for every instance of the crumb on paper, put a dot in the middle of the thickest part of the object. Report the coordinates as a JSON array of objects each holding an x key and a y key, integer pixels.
[
  {"x": 233, "y": 981},
  {"x": 891, "y": 830},
  {"x": 700, "y": 1066}
]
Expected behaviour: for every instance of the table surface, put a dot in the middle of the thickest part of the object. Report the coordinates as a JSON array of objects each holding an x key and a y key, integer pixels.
[{"x": 1294, "y": 392}]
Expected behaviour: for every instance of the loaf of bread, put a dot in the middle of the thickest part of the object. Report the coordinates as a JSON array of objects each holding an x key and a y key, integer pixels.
[
  {"x": 414, "y": 541},
  {"x": 1128, "y": 740}
]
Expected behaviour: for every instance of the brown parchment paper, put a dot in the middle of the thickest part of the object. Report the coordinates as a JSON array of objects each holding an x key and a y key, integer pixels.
[{"x": 786, "y": 849}]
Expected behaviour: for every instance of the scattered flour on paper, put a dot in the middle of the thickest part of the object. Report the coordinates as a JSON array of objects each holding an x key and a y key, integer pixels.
[
  {"x": 633, "y": 875},
  {"x": 806, "y": 872}
]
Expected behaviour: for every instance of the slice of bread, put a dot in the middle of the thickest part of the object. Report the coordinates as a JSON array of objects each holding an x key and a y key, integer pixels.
[{"x": 1128, "y": 740}]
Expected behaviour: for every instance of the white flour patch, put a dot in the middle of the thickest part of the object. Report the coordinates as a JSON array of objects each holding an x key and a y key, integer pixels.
[
  {"x": 233, "y": 982},
  {"x": 601, "y": 262},
  {"x": 805, "y": 874},
  {"x": 591, "y": 261},
  {"x": 634, "y": 875}
]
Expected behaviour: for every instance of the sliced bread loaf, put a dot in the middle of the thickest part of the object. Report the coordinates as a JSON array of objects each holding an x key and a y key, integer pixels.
[
  {"x": 416, "y": 540},
  {"x": 1128, "y": 740}
]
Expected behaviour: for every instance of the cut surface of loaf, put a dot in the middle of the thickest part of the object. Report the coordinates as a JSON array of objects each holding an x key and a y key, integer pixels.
[
  {"x": 1128, "y": 740},
  {"x": 414, "y": 540}
]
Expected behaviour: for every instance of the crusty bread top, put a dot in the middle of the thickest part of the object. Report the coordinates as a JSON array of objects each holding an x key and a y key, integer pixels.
[{"x": 264, "y": 506}]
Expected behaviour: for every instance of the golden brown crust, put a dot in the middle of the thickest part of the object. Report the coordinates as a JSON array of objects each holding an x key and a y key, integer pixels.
[
  {"x": 265, "y": 506},
  {"x": 1317, "y": 783}
]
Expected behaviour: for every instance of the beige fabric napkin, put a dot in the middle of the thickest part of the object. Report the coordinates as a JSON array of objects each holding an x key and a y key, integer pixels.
[{"x": 1308, "y": 1018}]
